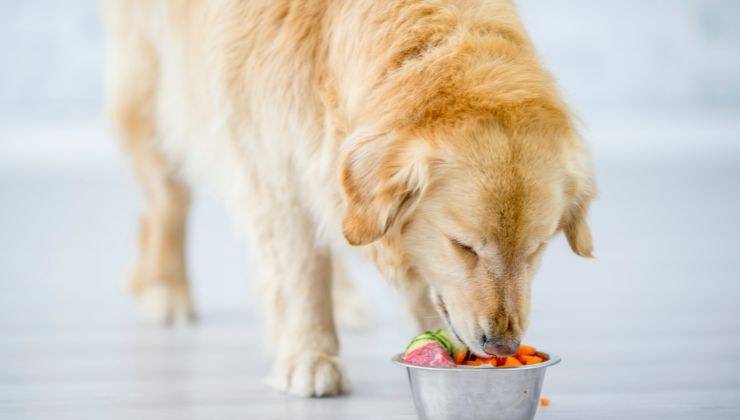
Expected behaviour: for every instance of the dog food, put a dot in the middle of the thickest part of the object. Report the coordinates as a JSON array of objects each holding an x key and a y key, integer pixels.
[
  {"x": 442, "y": 349},
  {"x": 429, "y": 354},
  {"x": 435, "y": 349}
]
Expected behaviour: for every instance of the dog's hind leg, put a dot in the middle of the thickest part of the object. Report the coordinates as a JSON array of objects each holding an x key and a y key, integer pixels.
[
  {"x": 349, "y": 309},
  {"x": 158, "y": 278}
]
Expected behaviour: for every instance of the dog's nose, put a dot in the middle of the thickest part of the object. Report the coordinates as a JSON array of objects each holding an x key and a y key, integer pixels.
[{"x": 500, "y": 348}]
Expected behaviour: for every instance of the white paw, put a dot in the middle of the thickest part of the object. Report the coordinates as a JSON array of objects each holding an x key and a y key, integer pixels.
[
  {"x": 309, "y": 375},
  {"x": 163, "y": 304}
]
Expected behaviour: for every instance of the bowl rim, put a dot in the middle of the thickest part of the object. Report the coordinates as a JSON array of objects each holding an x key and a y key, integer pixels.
[{"x": 553, "y": 360}]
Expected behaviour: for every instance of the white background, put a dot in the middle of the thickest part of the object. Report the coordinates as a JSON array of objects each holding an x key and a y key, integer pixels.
[{"x": 649, "y": 328}]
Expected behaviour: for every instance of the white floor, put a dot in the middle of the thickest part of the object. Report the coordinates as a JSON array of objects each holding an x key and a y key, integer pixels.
[{"x": 650, "y": 329}]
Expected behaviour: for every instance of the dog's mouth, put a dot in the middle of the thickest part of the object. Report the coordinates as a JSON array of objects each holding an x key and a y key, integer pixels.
[{"x": 475, "y": 348}]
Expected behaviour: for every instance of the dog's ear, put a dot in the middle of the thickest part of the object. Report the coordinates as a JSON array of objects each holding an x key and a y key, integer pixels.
[
  {"x": 577, "y": 232},
  {"x": 580, "y": 191},
  {"x": 382, "y": 178}
]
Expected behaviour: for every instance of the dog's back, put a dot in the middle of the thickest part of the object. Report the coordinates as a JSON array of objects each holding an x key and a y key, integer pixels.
[{"x": 213, "y": 74}]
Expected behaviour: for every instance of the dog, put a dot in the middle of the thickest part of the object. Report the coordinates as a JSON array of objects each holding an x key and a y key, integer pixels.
[{"x": 425, "y": 133}]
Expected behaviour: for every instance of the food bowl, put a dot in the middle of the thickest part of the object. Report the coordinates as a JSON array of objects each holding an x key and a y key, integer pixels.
[{"x": 463, "y": 392}]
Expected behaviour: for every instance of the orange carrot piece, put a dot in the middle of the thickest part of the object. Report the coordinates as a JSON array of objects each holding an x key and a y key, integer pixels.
[
  {"x": 476, "y": 362},
  {"x": 511, "y": 362},
  {"x": 525, "y": 350},
  {"x": 460, "y": 357},
  {"x": 544, "y": 401},
  {"x": 530, "y": 360}
]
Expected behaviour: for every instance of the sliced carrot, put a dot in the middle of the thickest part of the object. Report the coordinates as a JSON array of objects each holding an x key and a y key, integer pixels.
[
  {"x": 530, "y": 360},
  {"x": 511, "y": 362},
  {"x": 525, "y": 350},
  {"x": 544, "y": 401},
  {"x": 525, "y": 355}
]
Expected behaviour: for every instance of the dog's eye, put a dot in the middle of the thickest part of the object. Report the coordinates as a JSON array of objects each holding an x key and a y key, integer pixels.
[{"x": 464, "y": 248}]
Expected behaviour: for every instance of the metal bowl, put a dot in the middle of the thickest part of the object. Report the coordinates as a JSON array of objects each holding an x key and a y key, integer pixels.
[{"x": 466, "y": 392}]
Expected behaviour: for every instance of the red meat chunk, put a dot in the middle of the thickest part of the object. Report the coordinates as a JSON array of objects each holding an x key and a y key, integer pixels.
[{"x": 431, "y": 355}]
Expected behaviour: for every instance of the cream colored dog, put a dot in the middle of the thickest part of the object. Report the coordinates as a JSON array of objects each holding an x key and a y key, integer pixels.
[{"x": 426, "y": 132}]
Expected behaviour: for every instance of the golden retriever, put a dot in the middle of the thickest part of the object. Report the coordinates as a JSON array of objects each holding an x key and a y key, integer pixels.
[{"x": 424, "y": 131}]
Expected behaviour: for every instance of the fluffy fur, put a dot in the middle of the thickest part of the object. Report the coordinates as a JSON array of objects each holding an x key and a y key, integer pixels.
[{"x": 425, "y": 132}]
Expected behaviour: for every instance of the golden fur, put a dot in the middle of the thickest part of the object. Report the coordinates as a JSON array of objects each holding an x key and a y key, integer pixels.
[{"x": 425, "y": 131}]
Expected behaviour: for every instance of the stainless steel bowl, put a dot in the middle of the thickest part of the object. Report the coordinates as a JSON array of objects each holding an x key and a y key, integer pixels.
[{"x": 464, "y": 392}]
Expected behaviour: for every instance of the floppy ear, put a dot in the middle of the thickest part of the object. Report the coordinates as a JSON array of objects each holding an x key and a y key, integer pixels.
[
  {"x": 577, "y": 232},
  {"x": 382, "y": 178},
  {"x": 580, "y": 191}
]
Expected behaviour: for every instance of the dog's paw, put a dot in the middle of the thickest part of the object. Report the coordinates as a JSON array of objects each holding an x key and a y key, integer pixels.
[
  {"x": 164, "y": 304},
  {"x": 309, "y": 375},
  {"x": 161, "y": 301}
]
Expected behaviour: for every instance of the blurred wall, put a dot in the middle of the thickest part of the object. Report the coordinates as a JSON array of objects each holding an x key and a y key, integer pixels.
[
  {"x": 53, "y": 58},
  {"x": 640, "y": 53},
  {"x": 606, "y": 54}
]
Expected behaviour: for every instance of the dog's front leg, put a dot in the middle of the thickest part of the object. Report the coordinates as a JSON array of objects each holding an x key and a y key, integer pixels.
[
  {"x": 296, "y": 284},
  {"x": 390, "y": 262},
  {"x": 418, "y": 297}
]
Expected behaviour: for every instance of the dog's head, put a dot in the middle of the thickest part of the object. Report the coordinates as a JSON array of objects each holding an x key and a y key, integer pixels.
[{"x": 471, "y": 211}]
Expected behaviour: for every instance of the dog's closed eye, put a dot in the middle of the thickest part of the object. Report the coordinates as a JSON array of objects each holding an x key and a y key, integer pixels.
[{"x": 466, "y": 250}]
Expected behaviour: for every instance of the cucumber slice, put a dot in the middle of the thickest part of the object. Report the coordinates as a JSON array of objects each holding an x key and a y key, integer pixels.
[
  {"x": 444, "y": 337},
  {"x": 454, "y": 344},
  {"x": 443, "y": 340},
  {"x": 420, "y": 340}
]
